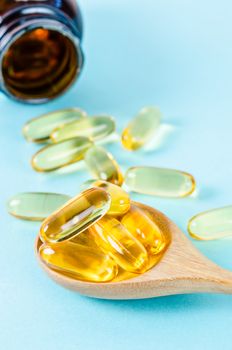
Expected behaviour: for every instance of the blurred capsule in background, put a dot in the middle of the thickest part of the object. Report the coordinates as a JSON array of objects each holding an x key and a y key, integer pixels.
[
  {"x": 79, "y": 261},
  {"x": 35, "y": 206},
  {"x": 95, "y": 128},
  {"x": 103, "y": 166},
  {"x": 141, "y": 129},
  {"x": 39, "y": 129},
  {"x": 120, "y": 200},
  {"x": 212, "y": 224},
  {"x": 75, "y": 216},
  {"x": 114, "y": 239},
  {"x": 160, "y": 182},
  {"x": 55, "y": 156}
]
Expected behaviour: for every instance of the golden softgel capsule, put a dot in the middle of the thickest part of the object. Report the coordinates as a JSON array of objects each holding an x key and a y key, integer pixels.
[
  {"x": 114, "y": 239},
  {"x": 95, "y": 128},
  {"x": 39, "y": 129},
  {"x": 75, "y": 216},
  {"x": 141, "y": 129},
  {"x": 55, "y": 156},
  {"x": 103, "y": 166},
  {"x": 84, "y": 238},
  {"x": 137, "y": 222},
  {"x": 78, "y": 261},
  {"x": 212, "y": 224},
  {"x": 160, "y": 182},
  {"x": 120, "y": 200},
  {"x": 35, "y": 206}
]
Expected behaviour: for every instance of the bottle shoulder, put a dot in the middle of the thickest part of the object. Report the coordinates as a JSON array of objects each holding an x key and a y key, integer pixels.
[
  {"x": 13, "y": 12},
  {"x": 69, "y": 7}
]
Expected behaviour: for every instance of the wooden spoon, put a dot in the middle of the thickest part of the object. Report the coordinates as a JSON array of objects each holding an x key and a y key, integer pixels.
[{"x": 183, "y": 269}]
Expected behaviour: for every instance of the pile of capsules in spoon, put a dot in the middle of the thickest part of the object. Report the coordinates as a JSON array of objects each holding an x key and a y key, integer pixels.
[{"x": 100, "y": 235}]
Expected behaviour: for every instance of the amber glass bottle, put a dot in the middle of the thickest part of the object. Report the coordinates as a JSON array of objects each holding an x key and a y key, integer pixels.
[{"x": 40, "y": 52}]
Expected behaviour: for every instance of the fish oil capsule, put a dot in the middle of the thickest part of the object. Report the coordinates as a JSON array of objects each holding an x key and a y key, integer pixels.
[
  {"x": 35, "y": 206},
  {"x": 39, "y": 129},
  {"x": 103, "y": 166},
  {"x": 75, "y": 216},
  {"x": 144, "y": 229},
  {"x": 95, "y": 128},
  {"x": 120, "y": 200},
  {"x": 114, "y": 239},
  {"x": 85, "y": 238},
  {"x": 160, "y": 181},
  {"x": 141, "y": 129},
  {"x": 55, "y": 156},
  {"x": 212, "y": 224},
  {"x": 78, "y": 261}
]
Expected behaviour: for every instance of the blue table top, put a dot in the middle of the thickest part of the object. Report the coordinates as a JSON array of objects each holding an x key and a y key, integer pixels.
[{"x": 174, "y": 54}]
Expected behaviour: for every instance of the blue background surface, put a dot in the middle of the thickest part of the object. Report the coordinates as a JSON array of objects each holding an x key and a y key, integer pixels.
[{"x": 176, "y": 54}]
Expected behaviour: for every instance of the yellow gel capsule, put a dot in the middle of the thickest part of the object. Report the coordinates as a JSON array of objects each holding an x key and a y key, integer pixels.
[
  {"x": 84, "y": 238},
  {"x": 58, "y": 155},
  {"x": 103, "y": 166},
  {"x": 39, "y": 129},
  {"x": 212, "y": 224},
  {"x": 78, "y": 261},
  {"x": 114, "y": 239},
  {"x": 120, "y": 200},
  {"x": 95, "y": 128},
  {"x": 35, "y": 206},
  {"x": 144, "y": 229},
  {"x": 160, "y": 181},
  {"x": 141, "y": 129},
  {"x": 75, "y": 216}
]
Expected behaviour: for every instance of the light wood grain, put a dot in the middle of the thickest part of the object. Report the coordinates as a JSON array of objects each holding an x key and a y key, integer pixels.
[{"x": 183, "y": 269}]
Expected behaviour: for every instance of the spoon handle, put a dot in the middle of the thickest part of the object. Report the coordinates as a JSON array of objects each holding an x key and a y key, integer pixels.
[{"x": 185, "y": 270}]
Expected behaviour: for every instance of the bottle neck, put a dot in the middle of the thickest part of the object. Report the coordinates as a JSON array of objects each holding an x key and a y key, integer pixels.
[{"x": 18, "y": 22}]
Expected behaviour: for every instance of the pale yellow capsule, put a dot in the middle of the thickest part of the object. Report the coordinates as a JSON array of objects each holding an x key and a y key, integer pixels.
[
  {"x": 75, "y": 216},
  {"x": 114, "y": 239},
  {"x": 144, "y": 229},
  {"x": 211, "y": 224},
  {"x": 142, "y": 128},
  {"x": 161, "y": 182},
  {"x": 35, "y": 206},
  {"x": 95, "y": 128},
  {"x": 58, "y": 155},
  {"x": 120, "y": 200},
  {"x": 78, "y": 261},
  {"x": 39, "y": 129},
  {"x": 103, "y": 166}
]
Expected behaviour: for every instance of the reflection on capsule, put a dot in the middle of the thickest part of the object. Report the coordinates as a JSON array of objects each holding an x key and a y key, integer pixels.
[
  {"x": 114, "y": 239},
  {"x": 142, "y": 128},
  {"x": 103, "y": 166},
  {"x": 75, "y": 216},
  {"x": 94, "y": 128},
  {"x": 120, "y": 200},
  {"x": 212, "y": 224},
  {"x": 58, "y": 155},
  {"x": 78, "y": 261},
  {"x": 39, "y": 129},
  {"x": 160, "y": 181},
  {"x": 35, "y": 206},
  {"x": 144, "y": 229}
]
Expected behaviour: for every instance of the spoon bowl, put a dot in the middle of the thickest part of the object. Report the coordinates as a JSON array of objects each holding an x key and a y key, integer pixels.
[{"x": 181, "y": 270}]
